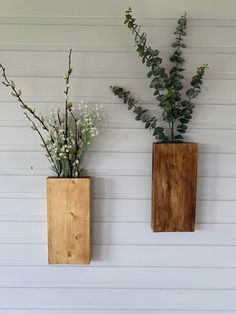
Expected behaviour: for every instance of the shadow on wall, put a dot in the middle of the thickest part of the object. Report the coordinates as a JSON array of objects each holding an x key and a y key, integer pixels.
[{"x": 98, "y": 253}]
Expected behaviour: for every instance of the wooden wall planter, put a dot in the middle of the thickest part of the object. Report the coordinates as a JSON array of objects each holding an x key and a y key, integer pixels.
[
  {"x": 174, "y": 182},
  {"x": 68, "y": 202}
]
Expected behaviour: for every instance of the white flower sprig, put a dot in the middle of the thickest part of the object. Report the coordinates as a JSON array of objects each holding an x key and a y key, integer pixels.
[
  {"x": 68, "y": 153},
  {"x": 66, "y": 136}
]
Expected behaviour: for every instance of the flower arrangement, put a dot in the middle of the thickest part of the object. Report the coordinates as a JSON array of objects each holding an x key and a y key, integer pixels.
[
  {"x": 176, "y": 110},
  {"x": 66, "y": 136}
]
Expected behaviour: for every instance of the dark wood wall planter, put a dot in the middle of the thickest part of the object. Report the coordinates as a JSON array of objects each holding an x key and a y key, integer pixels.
[
  {"x": 68, "y": 202},
  {"x": 174, "y": 182}
]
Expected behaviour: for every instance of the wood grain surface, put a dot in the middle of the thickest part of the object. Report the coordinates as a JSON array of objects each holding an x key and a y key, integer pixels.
[
  {"x": 68, "y": 203},
  {"x": 174, "y": 182}
]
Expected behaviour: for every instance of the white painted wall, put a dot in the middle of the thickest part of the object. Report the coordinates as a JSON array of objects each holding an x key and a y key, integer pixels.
[{"x": 133, "y": 271}]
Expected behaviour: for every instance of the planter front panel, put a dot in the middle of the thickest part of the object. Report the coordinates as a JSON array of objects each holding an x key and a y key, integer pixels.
[
  {"x": 68, "y": 203},
  {"x": 174, "y": 182}
]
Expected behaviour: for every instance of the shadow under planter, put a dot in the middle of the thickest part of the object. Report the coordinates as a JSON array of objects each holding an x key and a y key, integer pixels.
[
  {"x": 174, "y": 184},
  {"x": 68, "y": 205}
]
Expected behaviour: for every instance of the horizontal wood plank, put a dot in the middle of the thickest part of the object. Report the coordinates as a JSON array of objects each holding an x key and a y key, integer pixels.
[
  {"x": 116, "y": 210},
  {"x": 97, "y": 311},
  {"x": 111, "y": 233},
  {"x": 119, "y": 299},
  {"x": 118, "y": 277},
  {"x": 128, "y": 187},
  {"x": 136, "y": 255},
  {"x": 124, "y": 140},
  {"x": 108, "y": 163},
  {"x": 80, "y": 8}
]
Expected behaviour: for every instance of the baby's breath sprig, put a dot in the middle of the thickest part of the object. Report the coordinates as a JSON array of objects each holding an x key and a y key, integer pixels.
[{"x": 66, "y": 136}]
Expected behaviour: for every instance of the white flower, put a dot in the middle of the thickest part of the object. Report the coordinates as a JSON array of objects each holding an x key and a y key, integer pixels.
[
  {"x": 61, "y": 149},
  {"x": 13, "y": 94}
]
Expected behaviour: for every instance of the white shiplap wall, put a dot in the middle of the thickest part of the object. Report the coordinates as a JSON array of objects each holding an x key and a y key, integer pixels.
[{"x": 133, "y": 270}]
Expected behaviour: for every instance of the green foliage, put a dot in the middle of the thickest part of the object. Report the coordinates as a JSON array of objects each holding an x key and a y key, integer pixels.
[
  {"x": 176, "y": 111},
  {"x": 141, "y": 114}
]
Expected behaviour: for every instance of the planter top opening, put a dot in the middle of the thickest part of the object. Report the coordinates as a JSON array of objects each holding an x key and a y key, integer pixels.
[
  {"x": 70, "y": 178},
  {"x": 171, "y": 143}
]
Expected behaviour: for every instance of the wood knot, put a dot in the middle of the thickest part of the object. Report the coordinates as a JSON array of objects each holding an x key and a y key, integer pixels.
[
  {"x": 73, "y": 215},
  {"x": 78, "y": 236},
  {"x": 69, "y": 254}
]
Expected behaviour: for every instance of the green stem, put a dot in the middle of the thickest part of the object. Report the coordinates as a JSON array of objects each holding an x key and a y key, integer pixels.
[
  {"x": 76, "y": 130},
  {"x": 172, "y": 131}
]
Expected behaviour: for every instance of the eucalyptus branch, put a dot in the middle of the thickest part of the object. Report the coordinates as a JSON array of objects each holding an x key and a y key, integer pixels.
[
  {"x": 177, "y": 58},
  {"x": 141, "y": 114},
  {"x": 175, "y": 78},
  {"x": 167, "y": 87},
  {"x": 149, "y": 56},
  {"x": 186, "y": 105}
]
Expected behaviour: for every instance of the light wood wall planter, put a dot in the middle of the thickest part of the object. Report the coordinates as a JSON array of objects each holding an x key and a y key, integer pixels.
[
  {"x": 174, "y": 182},
  {"x": 68, "y": 202}
]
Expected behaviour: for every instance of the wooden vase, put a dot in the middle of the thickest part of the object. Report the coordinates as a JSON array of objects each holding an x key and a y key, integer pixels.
[
  {"x": 174, "y": 183},
  {"x": 68, "y": 205}
]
